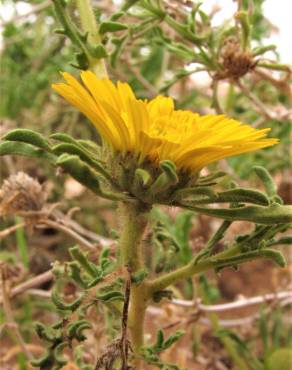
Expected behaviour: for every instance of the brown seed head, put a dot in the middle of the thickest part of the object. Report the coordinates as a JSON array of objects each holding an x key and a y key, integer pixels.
[
  {"x": 21, "y": 193},
  {"x": 235, "y": 61}
]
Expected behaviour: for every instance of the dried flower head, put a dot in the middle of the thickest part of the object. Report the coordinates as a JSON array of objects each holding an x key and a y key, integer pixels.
[
  {"x": 21, "y": 193},
  {"x": 154, "y": 130},
  {"x": 235, "y": 61}
]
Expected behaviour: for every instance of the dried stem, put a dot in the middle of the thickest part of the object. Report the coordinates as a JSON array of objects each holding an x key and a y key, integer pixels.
[
  {"x": 151, "y": 90},
  {"x": 282, "y": 85},
  {"x": 10, "y": 230},
  {"x": 66, "y": 220},
  {"x": 215, "y": 101},
  {"x": 9, "y": 314},
  {"x": 82, "y": 241},
  {"x": 256, "y": 102},
  {"x": 31, "y": 283},
  {"x": 244, "y": 302}
]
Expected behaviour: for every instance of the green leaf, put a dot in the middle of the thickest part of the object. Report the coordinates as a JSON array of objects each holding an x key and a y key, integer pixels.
[
  {"x": 29, "y": 137},
  {"x": 80, "y": 171},
  {"x": 277, "y": 329},
  {"x": 206, "y": 180},
  {"x": 83, "y": 260},
  {"x": 87, "y": 176},
  {"x": 83, "y": 326},
  {"x": 194, "y": 192},
  {"x": 159, "y": 339},
  {"x": 89, "y": 147},
  {"x": 82, "y": 61},
  {"x": 44, "y": 362},
  {"x": 58, "y": 354},
  {"x": 44, "y": 332},
  {"x": 98, "y": 51},
  {"x": 26, "y": 150},
  {"x": 22, "y": 244},
  {"x": 139, "y": 276},
  {"x": 263, "y": 49},
  {"x": 167, "y": 179},
  {"x": 111, "y": 296},
  {"x": 244, "y": 195},
  {"x": 211, "y": 293},
  {"x": 82, "y": 153},
  {"x": 182, "y": 228},
  {"x": 119, "y": 44},
  {"x": 276, "y": 256},
  {"x": 212, "y": 242},
  {"x": 160, "y": 294},
  {"x": 267, "y": 180},
  {"x": 110, "y": 26},
  {"x": 221, "y": 333},
  {"x": 65, "y": 306},
  {"x": 263, "y": 329},
  {"x": 76, "y": 328},
  {"x": 274, "y": 214},
  {"x": 142, "y": 177},
  {"x": 151, "y": 69},
  {"x": 76, "y": 275},
  {"x": 243, "y": 18},
  {"x": 205, "y": 195},
  {"x": 173, "y": 338},
  {"x": 115, "y": 16},
  {"x": 284, "y": 240},
  {"x": 63, "y": 137}
]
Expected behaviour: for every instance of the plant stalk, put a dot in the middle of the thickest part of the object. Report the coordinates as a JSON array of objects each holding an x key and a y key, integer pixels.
[
  {"x": 137, "y": 310},
  {"x": 134, "y": 218},
  {"x": 89, "y": 25}
]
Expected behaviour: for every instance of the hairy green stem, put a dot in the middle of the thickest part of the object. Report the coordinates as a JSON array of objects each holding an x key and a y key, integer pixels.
[
  {"x": 134, "y": 217},
  {"x": 208, "y": 249},
  {"x": 189, "y": 270},
  {"x": 69, "y": 28},
  {"x": 88, "y": 22},
  {"x": 230, "y": 257},
  {"x": 138, "y": 304}
]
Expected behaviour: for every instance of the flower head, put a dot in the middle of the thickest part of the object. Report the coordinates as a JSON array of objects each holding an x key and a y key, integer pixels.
[
  {"x": 21, "y": 193},
  {"x": 154, "y": 130}
]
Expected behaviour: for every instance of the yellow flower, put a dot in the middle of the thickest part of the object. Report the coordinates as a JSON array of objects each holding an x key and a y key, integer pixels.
[{"x": 153, "y": 129}]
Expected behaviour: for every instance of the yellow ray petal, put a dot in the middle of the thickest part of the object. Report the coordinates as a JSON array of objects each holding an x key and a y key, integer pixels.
[
  {"x": 120, "y": 126},
  {"x": 160, "y": 106},
  {"x": 102, "y": 90},
  {"x": 89, "y": 109},
  {"x": 138, "y": 119},
  {"x": 148, "y": 146}
]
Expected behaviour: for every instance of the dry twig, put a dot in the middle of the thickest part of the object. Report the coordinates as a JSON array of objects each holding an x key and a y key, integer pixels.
[
  {"x": 244, "y": 302},
  {"x": 9, "y": 313},
  {"x": 31, "y": 283},
  {"x": 10, "y": 230}
]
